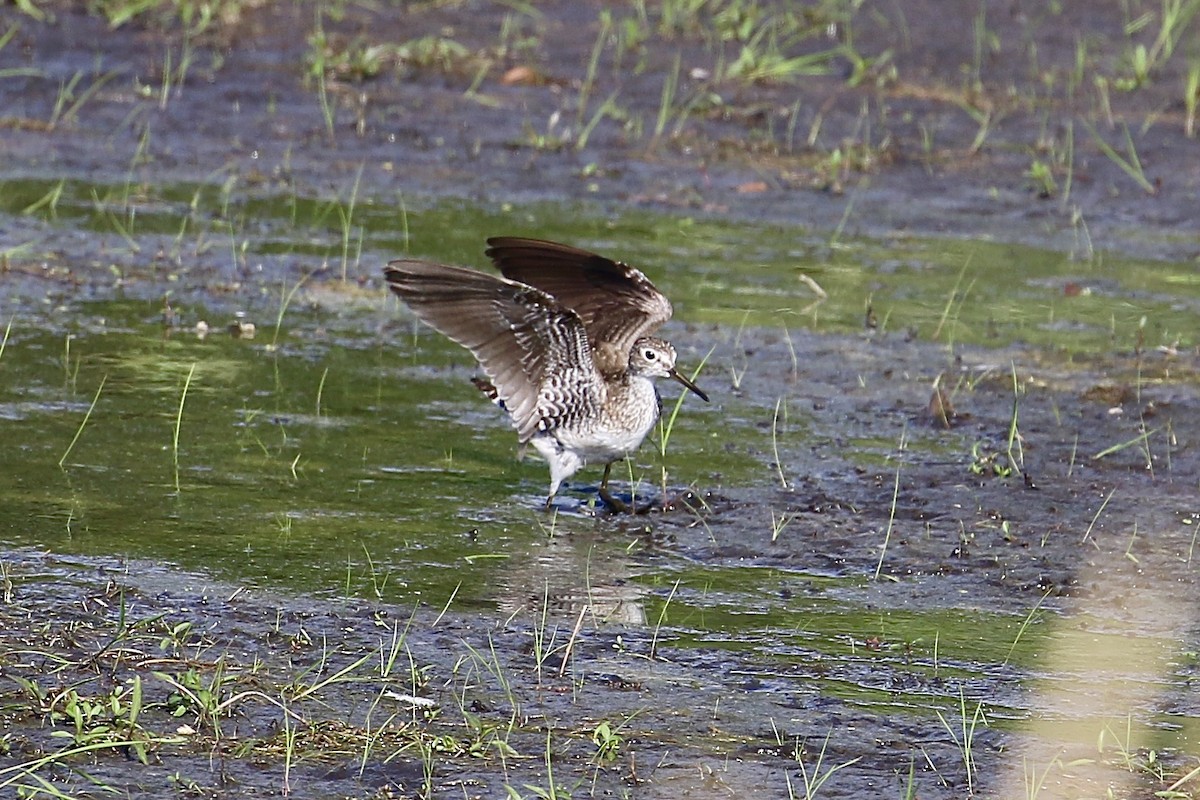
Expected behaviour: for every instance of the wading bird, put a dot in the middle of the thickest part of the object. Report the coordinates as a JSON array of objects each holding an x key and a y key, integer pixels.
[{"x": 563, "y": 339}]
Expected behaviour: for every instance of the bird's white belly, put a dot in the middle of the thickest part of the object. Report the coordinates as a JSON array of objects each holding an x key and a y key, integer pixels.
[
  {"x": 600, "y": 446},
  {"x": 619, "y": 429}
]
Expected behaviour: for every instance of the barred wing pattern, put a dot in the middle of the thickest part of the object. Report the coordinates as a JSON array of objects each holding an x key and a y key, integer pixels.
[
  {"x": 534, "y": 350},
  {"x": 616, "y": 303}
]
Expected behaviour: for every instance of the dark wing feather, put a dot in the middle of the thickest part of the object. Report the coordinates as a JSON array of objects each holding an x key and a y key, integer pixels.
[
  {"x": 617, "y": 303},
  {"x": 520, "y": 335}
]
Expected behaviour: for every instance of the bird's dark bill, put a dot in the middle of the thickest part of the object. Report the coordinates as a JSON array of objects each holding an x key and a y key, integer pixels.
[{"x": 693, "y": 387}]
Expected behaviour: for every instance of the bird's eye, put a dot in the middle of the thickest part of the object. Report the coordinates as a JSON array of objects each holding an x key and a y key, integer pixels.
[{"x": 651, "y": 355}]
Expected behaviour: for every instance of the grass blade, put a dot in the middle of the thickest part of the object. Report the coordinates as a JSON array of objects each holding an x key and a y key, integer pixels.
[{"x": 86, "y": 417}]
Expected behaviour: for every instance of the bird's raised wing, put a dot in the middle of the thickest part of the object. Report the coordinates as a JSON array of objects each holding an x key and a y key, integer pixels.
[
  {"x": 616, "y": 303},
  {"x": 528, "y": 343}
]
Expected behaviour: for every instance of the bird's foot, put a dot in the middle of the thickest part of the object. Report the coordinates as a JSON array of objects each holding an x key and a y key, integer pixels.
[
  {"x": 619, "y": 506},
  {"x": 614, "y": 503}
]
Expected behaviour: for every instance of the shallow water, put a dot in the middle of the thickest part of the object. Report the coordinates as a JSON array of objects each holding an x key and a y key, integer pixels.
[
  {"x": 341, "y": 401},
  {"x": 731, "y": 274},
  {"x": 1002, "y": 604},
  {"x": 341, "y": 453}
]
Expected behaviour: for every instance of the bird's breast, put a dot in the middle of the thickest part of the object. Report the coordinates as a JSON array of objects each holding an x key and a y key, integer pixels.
[{"x": 627, "y": 413}]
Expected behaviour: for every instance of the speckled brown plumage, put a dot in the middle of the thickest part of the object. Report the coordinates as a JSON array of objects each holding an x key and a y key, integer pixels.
[{"x": 563, "y": 340}]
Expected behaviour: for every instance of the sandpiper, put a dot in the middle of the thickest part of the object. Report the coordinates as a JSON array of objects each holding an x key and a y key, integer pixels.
[{"x": 563, "y": 339}]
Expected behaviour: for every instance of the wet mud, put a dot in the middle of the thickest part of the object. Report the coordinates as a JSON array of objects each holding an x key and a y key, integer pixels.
[
  {"x": 947, "y": 126},
  {"x": 948, "y": 571},
  {"x": 880, "y": 570}
]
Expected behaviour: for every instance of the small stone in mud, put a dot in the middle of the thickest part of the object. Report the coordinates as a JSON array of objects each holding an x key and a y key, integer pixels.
[
  {"x": 523, "y": 75},
  {"x": 241, "y": 329}
]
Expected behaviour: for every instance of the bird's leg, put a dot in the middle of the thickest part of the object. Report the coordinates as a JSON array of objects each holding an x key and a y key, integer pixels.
[
  {"x": 556, "y": 477},
  {"x": 610, "y": 501}
]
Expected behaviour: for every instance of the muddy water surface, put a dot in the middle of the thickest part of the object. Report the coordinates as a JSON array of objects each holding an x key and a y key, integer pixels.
[
  {"x": 310, "y": 560},
  {"x": 836, "y": 562}
]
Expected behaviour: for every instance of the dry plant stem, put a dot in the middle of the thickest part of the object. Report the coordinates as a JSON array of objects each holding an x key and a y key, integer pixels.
[
  {"x": 446, "y": 607},
  {"x": 1088, "y": 533},
  {"x": 895, "y": 496},
  {"x": 562, "y": 668},
  {"x": 661, "y": 616},
  {"x": 775, "y": 443},
  {"x": 321, "y": 390},
  {"x": 83, "y": 424},
  {"x": 179, "y": 416},
  {"x": 1014, "y": 436}
]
